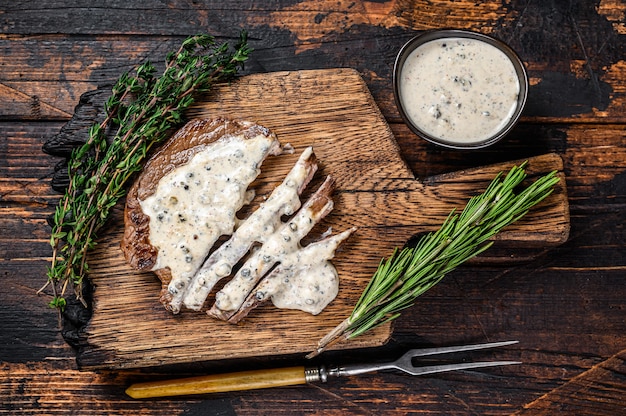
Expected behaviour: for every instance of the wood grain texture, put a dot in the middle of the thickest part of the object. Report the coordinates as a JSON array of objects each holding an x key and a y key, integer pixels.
[
  {"x": 565, "y": 304},
  {"x": 583, "y": 395},
  {"x": 574, "y": 55},
  {"x": 332, "y": 111},
  {"x": 57, "y": 388}
]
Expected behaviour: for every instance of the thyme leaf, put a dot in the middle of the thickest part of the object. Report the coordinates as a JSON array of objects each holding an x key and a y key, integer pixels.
[
  {"x": 142, "y": 110},
  {"x": 410, "y": 272}
]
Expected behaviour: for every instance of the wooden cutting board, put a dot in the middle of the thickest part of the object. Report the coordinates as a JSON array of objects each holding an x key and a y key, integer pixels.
[{"x": 333, "y": 111}]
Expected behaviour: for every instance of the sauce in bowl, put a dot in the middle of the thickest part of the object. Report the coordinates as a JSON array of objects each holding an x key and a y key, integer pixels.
[{"x": 459, "y": 89}]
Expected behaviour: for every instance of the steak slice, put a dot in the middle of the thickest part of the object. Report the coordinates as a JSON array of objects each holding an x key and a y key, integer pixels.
[
  {"x": 305, "y": 280},
  {"x": 283, "y": 241}
]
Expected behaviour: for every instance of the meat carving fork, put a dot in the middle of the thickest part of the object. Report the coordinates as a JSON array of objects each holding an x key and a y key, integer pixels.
[{"x": 258, "y": 379}]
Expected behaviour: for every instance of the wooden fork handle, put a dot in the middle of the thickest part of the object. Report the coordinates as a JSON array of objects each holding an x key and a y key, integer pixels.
[{"x": 244, "y": 380}]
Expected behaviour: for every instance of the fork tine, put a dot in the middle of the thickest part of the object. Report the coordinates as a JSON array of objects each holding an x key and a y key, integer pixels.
[
  {"x": 418, "y": 371},
  {"x": 405, "y": 362},
  {"x": 422, "y": 352}
]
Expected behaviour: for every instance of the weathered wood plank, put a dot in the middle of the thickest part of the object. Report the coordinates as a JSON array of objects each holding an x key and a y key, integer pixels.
[
  {"x": 579, "y": 82},
  {"x": 593, "y": 157},
  {"x": 566, "y": 305},
  {"x": 314, "y": 18},
  {"x": 56, "y": 388},
  {"x": 599, "y": 390}
]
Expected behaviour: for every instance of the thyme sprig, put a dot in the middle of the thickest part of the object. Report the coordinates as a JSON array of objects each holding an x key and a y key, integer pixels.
[
  {"x": 142, "y": 111},
  {"x": 410, "y": 272}
]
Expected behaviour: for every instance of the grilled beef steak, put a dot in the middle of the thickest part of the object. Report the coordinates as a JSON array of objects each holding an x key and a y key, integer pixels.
[
  {"x": 187, "y": 196},
  {"x": 192, "y": 200}
]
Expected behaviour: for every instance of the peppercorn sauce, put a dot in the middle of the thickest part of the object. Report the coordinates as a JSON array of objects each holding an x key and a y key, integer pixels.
[{"x": 459, "y": 90}]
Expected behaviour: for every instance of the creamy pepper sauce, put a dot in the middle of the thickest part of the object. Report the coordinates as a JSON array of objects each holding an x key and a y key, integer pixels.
[
  {"x": 196, "y": 203},
  {"x": 458, "y": 89},
  {"x": 306, "y": 279},
  {"x": 284, "y": 200},
  {"x": 278, "y": 246}
]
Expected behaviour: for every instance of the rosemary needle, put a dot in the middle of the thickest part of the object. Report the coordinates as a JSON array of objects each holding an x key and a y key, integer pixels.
[
  {"x": 142, "y": 111},
  {"x": 410, "y": 272}
]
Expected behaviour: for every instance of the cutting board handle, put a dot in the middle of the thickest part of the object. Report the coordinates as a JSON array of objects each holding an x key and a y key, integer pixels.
[{"x": 546, "y": 224}]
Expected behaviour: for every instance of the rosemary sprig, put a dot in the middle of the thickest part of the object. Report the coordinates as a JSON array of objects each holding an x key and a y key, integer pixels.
[
  {"x": 410, "y": 272},
  {"x": 143, "y": 108}
]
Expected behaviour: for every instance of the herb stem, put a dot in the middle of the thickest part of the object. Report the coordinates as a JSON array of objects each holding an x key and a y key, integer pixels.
[
  {"x": 145, "y": 109},
  {"x": 410, "y": 272}
]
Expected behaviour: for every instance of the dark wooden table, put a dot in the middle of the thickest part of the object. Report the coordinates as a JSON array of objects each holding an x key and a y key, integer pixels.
[{"x": 565, "y": 304}]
